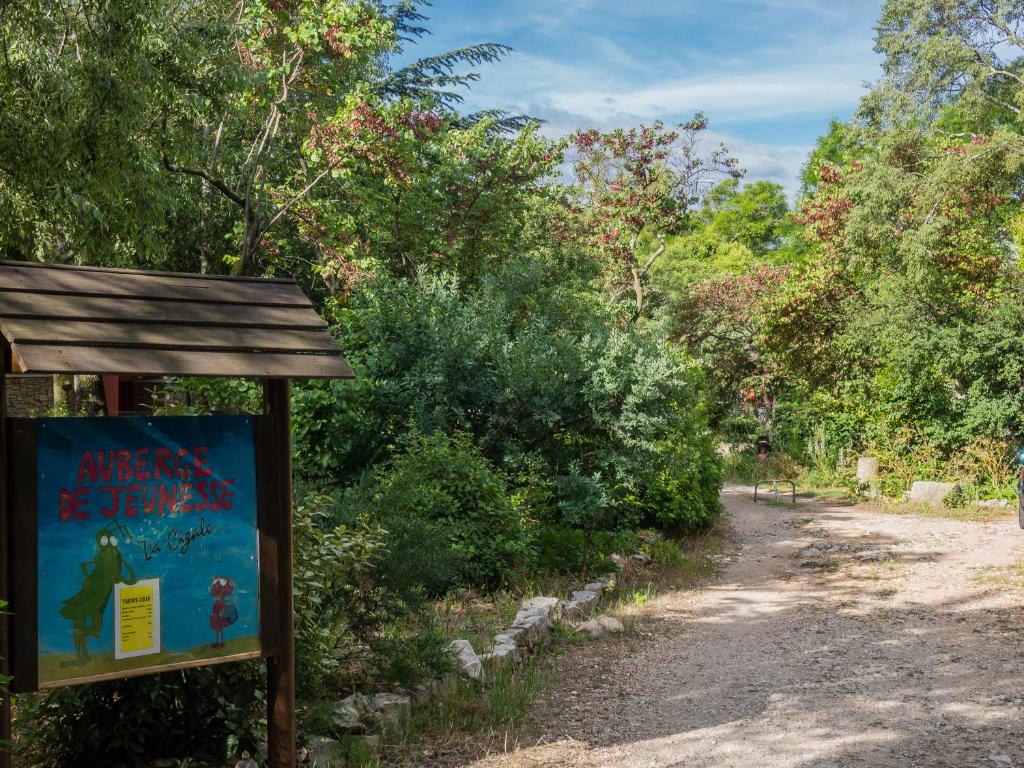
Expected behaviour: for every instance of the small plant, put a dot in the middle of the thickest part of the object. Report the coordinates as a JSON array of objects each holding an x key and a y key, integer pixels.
[
  {"x": 641, "y": 597},
  {"x": 666, "y": 552}
]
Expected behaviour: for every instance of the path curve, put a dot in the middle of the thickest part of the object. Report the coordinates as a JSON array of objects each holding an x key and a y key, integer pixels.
[{"x": 892, "y": 641}]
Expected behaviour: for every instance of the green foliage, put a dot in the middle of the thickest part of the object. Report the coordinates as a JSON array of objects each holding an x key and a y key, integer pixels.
[
  {"x": 503, "y": 414},
  {"x": 587, "y": 420},
  {"x": 196, "y": 397},
  {"x": 666, "y": 552},
  {"x": 209, "y": 714},
  {"x": 332, "y": 570},
  {"x": 356, "y": 623},
  {"x": 570, "y": 550},
  {"x": 445, "y": 482}
]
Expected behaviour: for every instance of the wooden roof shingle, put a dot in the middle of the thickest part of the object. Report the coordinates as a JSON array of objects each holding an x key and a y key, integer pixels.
[{"x": 63, "y": 319}]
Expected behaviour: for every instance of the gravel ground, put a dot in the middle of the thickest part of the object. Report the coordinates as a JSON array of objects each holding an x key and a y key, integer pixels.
[{"x": 834, "y": 636}]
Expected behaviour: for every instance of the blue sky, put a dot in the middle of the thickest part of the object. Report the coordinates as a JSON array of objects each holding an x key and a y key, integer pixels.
[{"x": 769, "y": 74}]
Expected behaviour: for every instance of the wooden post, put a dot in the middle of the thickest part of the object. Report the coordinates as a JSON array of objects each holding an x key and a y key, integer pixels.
[
  {"x": 5, "y": 559},
  {"x": 281, "y": 668}
]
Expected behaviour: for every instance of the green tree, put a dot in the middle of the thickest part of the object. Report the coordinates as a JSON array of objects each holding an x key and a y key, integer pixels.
[{"x": 636, "y": 188}]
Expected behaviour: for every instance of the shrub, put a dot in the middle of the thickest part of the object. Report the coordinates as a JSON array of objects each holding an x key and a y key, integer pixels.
[
  {"x": 683, "y": 493},
  {"x": 443, "y": 483},
  {"x": 332, "y": 574},
  {"x": 542, "y": 378},
  {"x": 566, "y": 550},
  {"x": 356, "y": 622},
  {"x": 208, "y": 714}
]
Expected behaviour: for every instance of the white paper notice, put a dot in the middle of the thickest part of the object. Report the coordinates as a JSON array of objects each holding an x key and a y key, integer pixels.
[{"x": 136, "y": 619}]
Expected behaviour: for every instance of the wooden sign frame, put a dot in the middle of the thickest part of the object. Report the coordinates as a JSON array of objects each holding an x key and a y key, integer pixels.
[
  {"x": 19, "y": 578},
  {"x": 23, "y": 508},
  {"x": 65, "y": 319}
]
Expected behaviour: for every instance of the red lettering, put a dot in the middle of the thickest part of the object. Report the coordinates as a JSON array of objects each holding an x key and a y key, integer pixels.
[
  {"x": 215, "y": 487},
  {"x": 227, "y": 495},
  {"x": 149, "y": 497},
  {"x": 167, "y": 500},
  {"x": 201, "y": 462},
  {"x": 179, "y": 470},
  {"x": 131, "y": 500},
  {"x": 115, "y": 492},
  {"x": 67, "y": 505},
  {"x": 142, "y": 464},
  {"x": 162, "y": 458},
  {"x": 87, "y": 467},
  {"x": 106, "y": 467},
  {"x": 81, "y": 501},
  {"x": 124, "y": 465}
]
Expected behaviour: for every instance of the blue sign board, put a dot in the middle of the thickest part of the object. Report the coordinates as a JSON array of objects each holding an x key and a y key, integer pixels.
[{"x": 147, "y": 545}]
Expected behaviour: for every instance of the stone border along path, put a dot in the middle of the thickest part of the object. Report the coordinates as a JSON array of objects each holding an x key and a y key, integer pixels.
[
  {"x": 532, "y": 624},
  {"x": 834, "y": 637},
  {"x": 367, "y": 716}
]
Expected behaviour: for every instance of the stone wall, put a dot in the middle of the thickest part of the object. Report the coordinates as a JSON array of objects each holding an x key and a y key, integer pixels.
[{"x": 29, "y": 395}]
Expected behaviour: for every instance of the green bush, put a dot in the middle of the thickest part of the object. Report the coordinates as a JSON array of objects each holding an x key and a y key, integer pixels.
[
  {"x": 567, "y": 550},
  {"x": 683, "y": 492},
  {"x": 593, "y": 423},
  {"x": 333, "y": 573},
  {"x": 443, "y": 486},
  {"x": 357, "y": 623},
  {"x": 209, "y": 714}
]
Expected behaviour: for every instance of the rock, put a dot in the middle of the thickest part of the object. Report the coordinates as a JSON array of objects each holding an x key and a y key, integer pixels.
[
  {"x": 549, "y": 605},
  {"x": 611, "y": 624},
  {"x": 596, "y": 586},
  {"x": 325, "y": 753},
  {"x": 619, "y": 561},
  {"x": 581, "y": 604},
  {"x": 536, "y": 625},
  {"x": 870, "y": 556},
  {"x": 867, "y": 469},
  {"x": 513, "y": 635},
  {"x": 526, "y": 613},
  {"x": 924, "y": 492},
  {"x": 810, "y": 552},
  {"x": 593, "y": 629},
  {"x": 349, "y": 714},
  {"x": 468, "y": 661},
  {"x": 601, "y": 626},
  {"x": 503, "y": 653},
  {"x": 642, "y": 558},
  {"x": 994, "y": 503},
  {"x": 392, "y": 711}
]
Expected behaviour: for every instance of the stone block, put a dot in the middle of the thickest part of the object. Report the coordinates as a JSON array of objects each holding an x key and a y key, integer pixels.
[
  {"x": 925, "y": 492},
  {"x": 467, "y": 659}
]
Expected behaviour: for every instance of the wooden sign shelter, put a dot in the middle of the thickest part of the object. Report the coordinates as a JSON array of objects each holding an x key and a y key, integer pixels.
[{"x": 81, "y": 320}]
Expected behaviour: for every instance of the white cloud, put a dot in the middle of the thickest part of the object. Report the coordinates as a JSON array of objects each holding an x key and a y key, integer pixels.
[
  {"x": 767, "y": 94},
  {"x": 759, "y": 69}
]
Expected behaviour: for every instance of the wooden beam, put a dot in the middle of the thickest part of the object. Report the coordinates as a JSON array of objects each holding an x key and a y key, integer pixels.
[
  {"x": 149, "y": 286},
  {"x": 45, "y": 358},
  {"x": 57, "y": 309},
  {"x": 5, "y": 566},
  {"x": 281, "y": 667},
  {"x": 142, "y": 335}
]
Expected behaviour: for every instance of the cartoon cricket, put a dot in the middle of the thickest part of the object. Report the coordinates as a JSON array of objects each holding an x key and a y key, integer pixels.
[{"x": 86, "y": 608}]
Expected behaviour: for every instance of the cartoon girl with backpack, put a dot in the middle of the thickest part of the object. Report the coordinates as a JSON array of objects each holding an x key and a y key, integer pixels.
[{"x": 224, "y": 612}]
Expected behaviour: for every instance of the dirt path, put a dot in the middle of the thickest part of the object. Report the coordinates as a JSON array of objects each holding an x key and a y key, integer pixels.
[{"x": 892, "y": 641}]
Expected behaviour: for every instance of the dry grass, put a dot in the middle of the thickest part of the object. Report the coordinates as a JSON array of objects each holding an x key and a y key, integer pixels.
[{"x": 969, "y": 513}]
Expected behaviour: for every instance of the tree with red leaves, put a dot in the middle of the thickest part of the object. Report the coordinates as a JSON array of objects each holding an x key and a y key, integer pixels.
[{"x": 635, "y": 188}]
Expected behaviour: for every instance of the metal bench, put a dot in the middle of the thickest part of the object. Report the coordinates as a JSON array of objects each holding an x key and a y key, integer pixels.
[{"x": 775, "y": 487}]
